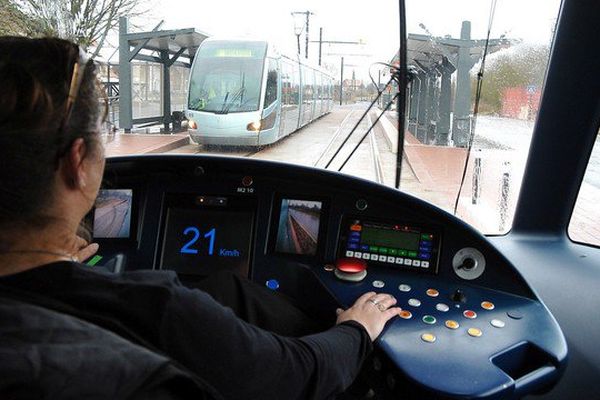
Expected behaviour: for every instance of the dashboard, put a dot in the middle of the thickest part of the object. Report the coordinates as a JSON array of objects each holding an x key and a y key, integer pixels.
[{"x": 470, "y": 327}]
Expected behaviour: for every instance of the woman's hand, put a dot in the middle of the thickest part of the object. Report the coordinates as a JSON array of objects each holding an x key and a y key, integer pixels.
[
  {"x": 372, "y": 311},
  {"x": 84, "y": 249}
]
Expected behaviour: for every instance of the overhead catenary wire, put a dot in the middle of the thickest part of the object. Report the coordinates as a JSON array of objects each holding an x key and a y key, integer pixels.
[{"x": 480, "y": 75}]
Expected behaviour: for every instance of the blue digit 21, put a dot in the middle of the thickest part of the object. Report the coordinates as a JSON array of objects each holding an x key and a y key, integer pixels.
[{"x": 187, "y": 248}]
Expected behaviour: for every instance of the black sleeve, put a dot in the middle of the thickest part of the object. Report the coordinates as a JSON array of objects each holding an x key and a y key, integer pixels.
[{"x": 245, "y": 362}]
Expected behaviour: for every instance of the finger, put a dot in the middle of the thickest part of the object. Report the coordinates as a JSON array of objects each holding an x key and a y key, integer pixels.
[
  {"x": 80, "y": 242},
  {"x": 87, "y": 252},
  {"x": 386, "y": 302},
  {"x": 362, "y": 299},
  {"x": 390, "y": 313}
]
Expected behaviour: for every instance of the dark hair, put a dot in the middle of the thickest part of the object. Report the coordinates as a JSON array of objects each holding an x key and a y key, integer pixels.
[{"x": 35, "y": 77}]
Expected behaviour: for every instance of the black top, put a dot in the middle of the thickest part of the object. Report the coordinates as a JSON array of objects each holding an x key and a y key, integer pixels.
[{"x": 238, "y": 359}]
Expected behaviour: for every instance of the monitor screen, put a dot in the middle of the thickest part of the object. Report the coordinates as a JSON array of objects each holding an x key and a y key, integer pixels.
[
  {"x": 203, "y": 240},
  {"x": 395, "y": 244},
  {"x": 298, "y": 228},
  {"x": 112, "y": 214}
]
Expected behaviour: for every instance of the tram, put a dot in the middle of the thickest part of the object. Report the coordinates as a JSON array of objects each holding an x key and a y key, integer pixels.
[{"x": 245, "y": 93}]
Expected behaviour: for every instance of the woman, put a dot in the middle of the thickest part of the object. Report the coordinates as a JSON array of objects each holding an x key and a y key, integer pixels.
[{"x": 52, "y": 168}]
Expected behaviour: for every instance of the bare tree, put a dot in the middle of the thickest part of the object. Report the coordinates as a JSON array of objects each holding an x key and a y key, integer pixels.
[{"x": 85, "y": 22}]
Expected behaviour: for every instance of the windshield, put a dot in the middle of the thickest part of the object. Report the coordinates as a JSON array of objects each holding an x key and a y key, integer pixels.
[
  {"x": 322, "y": 91},
  {"x": 226, "y": 77}
]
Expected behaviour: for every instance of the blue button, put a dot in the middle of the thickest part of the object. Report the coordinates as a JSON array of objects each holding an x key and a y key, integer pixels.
[
  {"x": 364, "y": 247},
  {"x": 352, "y": 246},
  {"x": 272, "y": 284},
  {"x": 354, "y": 240},
  {"x": 425, "y": 256},
  {"x": 426, "y": 245},
  {"x": 355, "y": 234}
]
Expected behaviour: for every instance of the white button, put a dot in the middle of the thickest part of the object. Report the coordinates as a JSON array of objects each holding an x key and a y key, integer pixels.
[
  {"x": 382, "y": 258},
  {"x": 399, "y": 260},
  {"x": 414, "y": 302},
  {"x": 349, "y": 253},
  {"x": 416, "y": 263},
  {"x": 496, "y": 323},
  {"x": 366, "y": 256},
  {"x": 407, "y": 261},
  {"x": 378, "y": 284},
  {"x": 442, "y": 307},
  {"x": 374, "y": 257},
  {"x": 390, "y": 259},
  {"x": 404, "y": 288},
  {"x": 425, "y": 264}
]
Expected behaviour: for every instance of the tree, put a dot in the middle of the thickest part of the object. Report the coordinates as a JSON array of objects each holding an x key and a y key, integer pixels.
[
  {"x": 85, "y": 22},
  {"x": 14, "y": 22},
  {"x": 519, "y": 66}
]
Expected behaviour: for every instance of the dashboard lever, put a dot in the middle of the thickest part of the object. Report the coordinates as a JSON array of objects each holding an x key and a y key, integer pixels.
[{"x": 459, "y": 296}]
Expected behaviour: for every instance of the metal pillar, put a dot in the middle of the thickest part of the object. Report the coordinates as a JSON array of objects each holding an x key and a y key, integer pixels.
[
  {"x": 423, "y": 106},
  {"x": 125, "y": 98},
  {"x": 462, "y": 103},
  {"x": 166, "y": 89},
  {"x": 342, "y": 82},
  {"x": 432, "y": 108},
  {"x": 443, "y": 126},
  {"x": 414, "y": 103}
]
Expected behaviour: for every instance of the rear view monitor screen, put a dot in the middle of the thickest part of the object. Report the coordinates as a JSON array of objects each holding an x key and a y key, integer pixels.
[
  {"x": 298, "y": 228},
  {"x": 112, "y": 215}
]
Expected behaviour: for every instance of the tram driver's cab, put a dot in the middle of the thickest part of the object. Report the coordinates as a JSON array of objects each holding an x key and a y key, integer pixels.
[{"x": 474, "y": 321}]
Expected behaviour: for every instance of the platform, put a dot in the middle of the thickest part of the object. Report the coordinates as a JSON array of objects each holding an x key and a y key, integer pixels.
[{"x": 121, "y": 144}]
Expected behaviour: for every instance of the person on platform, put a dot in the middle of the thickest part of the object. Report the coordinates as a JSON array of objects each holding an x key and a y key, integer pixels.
[{"x": 250, "y": 344}]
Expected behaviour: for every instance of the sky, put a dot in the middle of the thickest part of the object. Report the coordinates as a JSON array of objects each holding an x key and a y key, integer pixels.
[{"x": 375, "y": 23}]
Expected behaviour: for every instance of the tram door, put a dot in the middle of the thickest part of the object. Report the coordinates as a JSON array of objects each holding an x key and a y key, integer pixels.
[{"x": 290, "y": 94}]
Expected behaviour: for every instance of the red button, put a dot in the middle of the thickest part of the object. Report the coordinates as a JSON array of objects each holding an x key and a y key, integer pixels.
[
  {"x": 470, "y": 314},
  {"x": 351, "y": 265}
]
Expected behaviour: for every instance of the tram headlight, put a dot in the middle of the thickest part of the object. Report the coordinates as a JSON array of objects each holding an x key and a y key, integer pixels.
[
  {"x": 254, "y": 126},
  {"x": 192, "y": 124}
]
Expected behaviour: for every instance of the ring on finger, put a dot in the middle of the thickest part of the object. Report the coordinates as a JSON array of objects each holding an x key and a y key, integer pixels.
[
  {"x": 375, "y": 302},
  {"x": 381, "y": 307}
]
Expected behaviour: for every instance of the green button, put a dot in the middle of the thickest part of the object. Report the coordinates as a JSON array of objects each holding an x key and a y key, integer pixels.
[
  {"x": 402, "y": 253},
  {"x": 383, "y": 250},
  {"x": 393, "y": 252},
  {"x": 429, "y": 319},
  {"x": 373, "y": 249},
  {"x": 426, "y": 236},
  {"x": 412, "y": 254},
  {"x": 95, "y": 260}
]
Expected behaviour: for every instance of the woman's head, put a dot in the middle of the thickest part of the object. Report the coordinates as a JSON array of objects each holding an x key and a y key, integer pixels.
[{"x": 40, "y": 131}]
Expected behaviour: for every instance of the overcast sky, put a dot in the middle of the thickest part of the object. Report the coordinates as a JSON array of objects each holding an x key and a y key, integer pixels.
[{"x": 374, "y": 22}]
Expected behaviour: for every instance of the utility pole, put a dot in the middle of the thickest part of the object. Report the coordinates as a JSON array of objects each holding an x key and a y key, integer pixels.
[
  {"x": 342, "y": 82},
  {"x": 307, "y": 21},
  {"x": 320, "y": 43}
]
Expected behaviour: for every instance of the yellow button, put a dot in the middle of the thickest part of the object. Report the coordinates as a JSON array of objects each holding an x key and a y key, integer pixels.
[
  {"x": 487, "y": 305},
  {"x": 451, "y": 324},
  {"x": 405, "y": 314},
  {"x": 432, "y": 293},
  {"x": 428, "y": 337},
  {"x": 475, "y": 332}
]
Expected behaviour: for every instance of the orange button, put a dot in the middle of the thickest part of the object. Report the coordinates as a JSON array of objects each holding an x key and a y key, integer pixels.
[
  {"x": 428, "y": 337},
  {"x": 470, "y": 314},
  {"x": 405, "y": 314},
  {"x": 356, "y": 228},
  {"x": 475, "y": 332},
  {"x": 487, "y": 305},
  {"x": 432, "y": 293},
  {"x": 451, "y": 324}
]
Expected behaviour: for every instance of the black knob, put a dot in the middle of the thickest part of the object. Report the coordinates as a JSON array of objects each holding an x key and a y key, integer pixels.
[
  {"x": 459, "y": 296},
  {"x": 467, "y": 264}
]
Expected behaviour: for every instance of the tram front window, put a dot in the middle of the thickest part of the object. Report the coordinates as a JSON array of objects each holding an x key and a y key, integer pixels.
[{"x": 227, "y": 78}]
